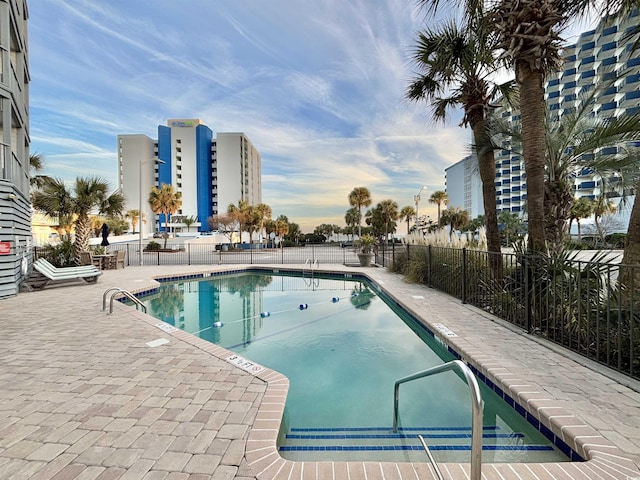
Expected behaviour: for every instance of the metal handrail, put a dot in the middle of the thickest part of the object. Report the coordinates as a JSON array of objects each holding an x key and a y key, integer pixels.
[
  {"x": 431, "y": 459},
  {"x": 477, "y": 406},
  {"x": 118, "y": 291}
]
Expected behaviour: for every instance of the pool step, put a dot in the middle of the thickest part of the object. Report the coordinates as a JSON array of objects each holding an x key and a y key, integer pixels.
[{"x": 406, "y": 439}]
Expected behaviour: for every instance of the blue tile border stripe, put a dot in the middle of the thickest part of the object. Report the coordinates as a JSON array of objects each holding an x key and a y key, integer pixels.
[{"x": 363, "y": 448}]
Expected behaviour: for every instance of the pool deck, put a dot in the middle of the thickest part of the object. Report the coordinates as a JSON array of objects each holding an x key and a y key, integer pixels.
[{"x": 83, "y": 395}]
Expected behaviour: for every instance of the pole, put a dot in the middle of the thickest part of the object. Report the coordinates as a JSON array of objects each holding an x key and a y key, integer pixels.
[{"x": 141, "y": 262}]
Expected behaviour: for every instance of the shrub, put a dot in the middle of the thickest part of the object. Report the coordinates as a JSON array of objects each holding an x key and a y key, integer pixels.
[{"x": 152, "y": 246}]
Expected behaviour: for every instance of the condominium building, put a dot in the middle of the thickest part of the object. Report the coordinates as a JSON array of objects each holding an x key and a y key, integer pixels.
[
  {"x": 469, "y": 197},
  {"x": 15, "y": 207},
  {"x": 602, "y": 56},
  {"x": 210, "y": 172}
]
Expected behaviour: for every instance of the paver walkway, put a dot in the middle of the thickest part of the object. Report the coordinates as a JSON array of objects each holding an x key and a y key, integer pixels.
[{"x": 84, "y": 396}]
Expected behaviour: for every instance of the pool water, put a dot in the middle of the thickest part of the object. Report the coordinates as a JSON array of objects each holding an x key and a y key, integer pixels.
[{"x": 343, "y": 346}]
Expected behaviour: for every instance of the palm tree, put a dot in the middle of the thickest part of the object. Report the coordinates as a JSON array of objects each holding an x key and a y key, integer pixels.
[
  {"x": 458, "y": 62},
  {"x": 358, "y": 198},
  {"x": 577, "y": 141},
  {"x": 602, "y": 206},
  {"x": 166, "y": 201},
  {"x": 582, "y": 208},
  {"x": 264, "y": 213},
  {"x": 89, "y": 195},
  {"x": 631, "y": 254},
  {"x": 351, "y": 219},
  {"x": 440, "y": 197},
  {"x": 389, "y": 214},
  {"x": 134, "y": 216},
  {"x": 282, "y": 228},
  {"x": 241, "y": 213},
  {"x": 456, "y": 218},
  {"x": 188, "y": 221},
  {"x": 36, "y": 164},
  {"x": 406, "y": 214}
]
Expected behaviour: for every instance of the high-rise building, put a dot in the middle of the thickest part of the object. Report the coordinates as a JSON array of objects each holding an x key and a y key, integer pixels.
[
  {"x": 602, "y": 56},
  {"x": 15, "y": 208},
  {"x": 209, "y": 172}
]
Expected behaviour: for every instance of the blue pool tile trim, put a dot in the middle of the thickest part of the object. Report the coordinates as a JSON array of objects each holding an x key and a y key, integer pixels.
[
  {"x": 364, "y": 448},
  {"x": 557, "y": 441},
  {"x": 386, "y": 429},
  {"x": 364, "y": 436}
]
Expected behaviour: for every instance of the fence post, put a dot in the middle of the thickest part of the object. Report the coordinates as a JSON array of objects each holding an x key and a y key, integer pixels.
[
  {"x": 463, "y": 296},
  {"x": 188, "y": 254},
  {"x": 527, "y": 296},
  {"x": 429, "y": 269}
]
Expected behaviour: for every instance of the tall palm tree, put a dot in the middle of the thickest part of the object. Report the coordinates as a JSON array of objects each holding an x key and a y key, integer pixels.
[
  {"x": 358, "y": 198},
  {"x": 455, "y": 67},
  {"x": 439, "y": 197},
  {"x": 88, "y": 195},
  {"x": 166, "y": 201},
  {"x": 406, "y": 214},
  {"x": 582, "y": 208}
]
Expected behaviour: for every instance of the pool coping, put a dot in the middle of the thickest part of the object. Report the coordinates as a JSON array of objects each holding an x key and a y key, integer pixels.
[{"x": 603, "y": 459}]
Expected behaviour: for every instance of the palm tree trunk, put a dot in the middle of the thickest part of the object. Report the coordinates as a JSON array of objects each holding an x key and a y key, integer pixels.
[
  {"x": 532, "y": 109},
  {"x": 83, "y": 232}
]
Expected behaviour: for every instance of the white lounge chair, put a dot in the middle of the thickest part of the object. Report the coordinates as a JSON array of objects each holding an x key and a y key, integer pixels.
[{"x": 44, "y": 273}]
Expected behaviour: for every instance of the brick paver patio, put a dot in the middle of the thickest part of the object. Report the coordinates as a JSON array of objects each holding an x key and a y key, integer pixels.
[{"x": 83, "y": 396}]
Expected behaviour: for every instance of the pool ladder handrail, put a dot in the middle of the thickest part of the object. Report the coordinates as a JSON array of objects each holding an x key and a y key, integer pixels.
[
  {"x": 431, "y": 459},
  {"x": 120, "y": 291},
  {"x": 477, "y": 407},
  {"x": 311, "y": 265}
]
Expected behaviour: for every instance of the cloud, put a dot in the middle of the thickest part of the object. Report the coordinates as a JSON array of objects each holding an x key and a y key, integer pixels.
[{"x": 318, "y": 87}]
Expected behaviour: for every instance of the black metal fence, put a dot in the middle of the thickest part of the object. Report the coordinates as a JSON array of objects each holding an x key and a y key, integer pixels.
[{"x": 588, "y": 306}]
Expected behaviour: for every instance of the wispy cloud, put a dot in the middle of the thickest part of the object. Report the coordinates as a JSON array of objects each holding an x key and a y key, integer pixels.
[{"x": 317, "y": 86}]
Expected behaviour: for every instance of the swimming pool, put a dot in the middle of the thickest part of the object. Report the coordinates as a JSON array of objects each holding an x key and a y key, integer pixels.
[{"x": 342, "y": 347}]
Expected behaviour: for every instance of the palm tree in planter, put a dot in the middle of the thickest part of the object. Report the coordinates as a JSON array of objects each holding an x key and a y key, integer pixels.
[
  {"x": 165, "y": 200},
  {"x": 366, "y": 250},
  {"x": 88, "y": 195}
]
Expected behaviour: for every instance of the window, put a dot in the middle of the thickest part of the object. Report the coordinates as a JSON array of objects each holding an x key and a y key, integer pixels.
[
  {"x": 571, "y": 84},
  {"x": 609, "y": 151},
  {"x": 588, "y": 74},
  {"x": 610, "y": 76},
  {"x": 571, "y": 58},
  {"x": 515, "y": 209},
  {"x": 633, "y": 62},
  {"x": 609, "y": 105},
  {"x": 609, "y": 46},
  {"x": 570, "y": 71},
  {"x": 554, "y": 94},
  {"x": 633, "y": 78},
  {"x": 630, "y": 95},
  {"x": 611, "y": 90},
  {"x": 588, "y": 46},
  {"x": 554, "y": 106},
  {"x": 610, "y": 30},
  {"x": 609, "y": 61},
  {"x": 588, "y": 60},
  {"x": 570, "y": 98},
  {"x": 554, "y": 82}
]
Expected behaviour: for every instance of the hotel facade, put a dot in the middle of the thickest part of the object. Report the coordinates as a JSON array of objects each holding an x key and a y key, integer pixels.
[{"x": 211, "y": 172}]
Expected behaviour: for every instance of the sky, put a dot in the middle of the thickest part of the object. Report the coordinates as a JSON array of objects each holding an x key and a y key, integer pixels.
[{"x": 317, "y": 86}]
